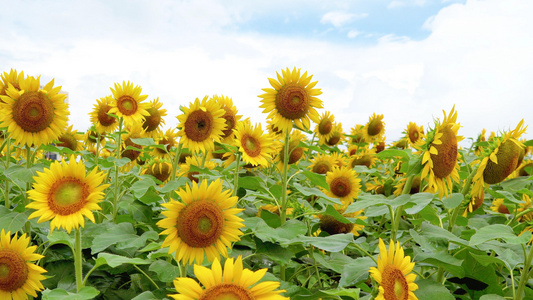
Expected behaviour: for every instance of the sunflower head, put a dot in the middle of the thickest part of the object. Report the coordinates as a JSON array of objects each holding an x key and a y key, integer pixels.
[
  {"x": 366, "y": 158},
  {"x": 336, "y": 135},
  {"x": 343, "y": 184},
  {"x": 498, "y": 206},
  {"x": 374, "y": 128},
  {"x": 256, "y": 146},
  {"x": 295, "y": 151},
  {"x": 333, "y": 226},
  {"x": 322, "y": 164},
  {"x": 358, "y": 134},
  {"x": 12, "y": 78},
  {"x": 230, "y": 114},
  {"x": 168, "y": 140},
  {"x": 292, "y": 99},
  {"x": 129, "y": 103},
  {"x": 525, "y": 205},
  {"x": 71, "y": 139},
  {"x": 161, "y": 170},
  {"x": 100, "y": 117},
  {"x": 324, "y": 127},
  {"x": 414, "y": 134},
  {"x": 185, "y": 168},
  {"x": 154, "y": 119},
  {"x": 129, "y": 148}
]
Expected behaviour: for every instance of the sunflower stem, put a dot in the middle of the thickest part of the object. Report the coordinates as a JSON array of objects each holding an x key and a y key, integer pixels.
[
  {"x": 236, "y": 175},
  {"x": 29, "y": 164},
  {"x": 309, "y": 148},
  {"x": 524, "y": 275},
  {"x": 77, "y": 260},
  {"x": 7, "y": 143},
  {"x": 283, "y": 213},
  {"x": 464, "y": 191},
  {"x": 399, "y": 210},
  {"x": 118, "y": 154},
  {"x": 175, "y": 162}
]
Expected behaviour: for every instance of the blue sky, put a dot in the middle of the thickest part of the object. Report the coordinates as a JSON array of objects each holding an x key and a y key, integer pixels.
[{"x": 407, "y": 60}]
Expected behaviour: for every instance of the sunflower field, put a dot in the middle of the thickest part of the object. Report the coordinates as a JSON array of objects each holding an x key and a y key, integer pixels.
[{"x": 217, "y": 207}]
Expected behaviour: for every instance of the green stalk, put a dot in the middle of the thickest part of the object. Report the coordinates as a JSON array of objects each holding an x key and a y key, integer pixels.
[
  {"x": 7, "y": 142},
  {"x": 77, "y": 260},
  {"x": 464, "y": 191},
  {"x": 524, "y": 275},
  {"x": 399, "y": 210},
  {"x": 283, "y": 213},
  {"x": 29, "y": 164},
  {"x": 118, "y": 152},
  {"x": 175, "y": 162},
  {"x": 236, "y": 175}
]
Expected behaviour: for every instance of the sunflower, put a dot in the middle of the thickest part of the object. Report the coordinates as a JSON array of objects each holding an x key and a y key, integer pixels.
[
  {"x": 474, "y": 203},
  {"x": 232, "y": 282},
  {"x": 128, "y": 103},
  {"x": 168, "y": 140},
  {"x": 333, "y": 226},
  {"x": 415, "y": 186},
  {"x": 127, "y": 138},
  {"x": 414, "y": 134},
  {"x": 71, "y": 139},
  {"x": 376, "y": 186},
  {"x": 480, "y": 138},
  {"x": 100, "y": 118},
  {"x": 365, "y": 158},
  {"x": 374, "y": 129},
  {"x": 64, "y": 193},
  {"x": 393, "y": 274},
  {"x": 203, "y": 224},
  {"x": 34, "y": 116},
  {"x": 275, "y": 209},
  {"x": 324, "y": 127},
  {"x": 357, "y": 134},
  {"x": 254, "y": 144},
  {"x": 185, "y": 168},
  {"x": 230, "y": 114},
  {"x": 343, "y": 184},
  {"x": 498, "y": 206},
  {"x": 340, "y": 159},
  {"x": 525, "y": 205},
  {"x": 293, "y": 98},
  {"x": 336, "y": 136},
  {"x": 273, "y": 128},
  {"x": 440, "y": 155},
  {"x": 12, "y": 78},
  {"x": 18, "y": 276},
  {"x": 201, "y": 124},
  {"x": 161, "y": 170},
  {"x": 322, "y": 164},
  {"x": 154, "y": 120},
  {"x": 499, "y": 159}
]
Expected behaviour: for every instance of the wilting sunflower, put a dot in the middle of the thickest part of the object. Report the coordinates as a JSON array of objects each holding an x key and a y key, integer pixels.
[
  {"x": 293, "y": 98},
  {"x": 201, "y": 125},
  {"x": 34, "y": 116},
  {"x": 168, "y": 140},
  {"x": 154, "y": 120},
  {"x": 64, "y": 193},
  {"x": 18, "y": 276},
  {"x": 333, "y": 226},
  {"x": 71, "y": 139},
  {"x": 128, "y": 103},
  {"x": 161, "y": 170},
  {"x": 232, "y": 283},
  {"x": 203, "y": 225},
  {"x": 440, "y": 155},
  {"x": 393, "y": 274},
  {"x": 103, "y": 122},
  {"x": 254, "y": 144},
  {"x": 499, "y": 159},
  {"x": 322, "y": 163},
  {"x": 343, "y": 184},
  {"x": 185, "y": 168},
  {"x": 230, "y": 114},
  {"x": 374, "y": 129},
  {"x": 12, "y": 78},
  {"x": 336, "y": 136},
  {"x": 324, "y": 127},
  {"x": 414, "y": 134}
]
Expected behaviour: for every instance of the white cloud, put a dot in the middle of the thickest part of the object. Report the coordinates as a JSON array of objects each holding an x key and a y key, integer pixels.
[
  {"x": 353, "y": 34},
  {"x": 339, "y": 19}
]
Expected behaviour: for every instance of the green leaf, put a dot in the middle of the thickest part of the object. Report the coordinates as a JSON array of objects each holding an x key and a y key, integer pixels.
[
  {"x": 332, "y": 243},
  {"x": 166, "y": 272},
  {"x": 145, "y": 296},
  {"x": 443, "y": 259},
  {"x": 123, "y": 236},
  {"x": 356, "y": 271},
  {"x": 432, "y": 232},
  {"x": 429, "y": 289},
  {"x": 11, "y": 221},
  {"x": 491, "y": 297},
  {"x": 285, "y": 234},
  {"x": 392, "y": 153},
  {"x": 331, "y": 211},
  {"x": 85, "y": 293},
  {"x": 114, "y": 260},
  {"x": 418, "y": 202},
  {"x": 144, "y": 141},
  {"x": 453, "y": 201},
  {"x": 317, "y": 179},
  {"x": 367, "y": 200},
  {"x": 352, "y": 293},
  {"x": 250, "y": 182},
  {"x": 61, "y": 237},
  {"x": 140, "y": 187},
  {"x": 498, "y": 231}
]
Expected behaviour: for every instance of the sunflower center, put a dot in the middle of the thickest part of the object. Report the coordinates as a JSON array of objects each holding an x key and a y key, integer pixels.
[
  {"x": 394, "y": 284},
  {"x": 508, "y": 155},
  {"x": 127, "y": 105},
  {"x": 292, "y": 102},
  {"x": 160, "y": 171},
  {"x": 325, "y": 126},
  {"x": 13, "y": 271},
  {"x": 229, "y": 116},
  {"x": 445, "y": 160},
  {"x": 198, "y": 125},
  {"x": 69, "y": 141},
  {"x": 152, "y": 121},
  {"x": 322, "y": 167},
  {"x": 340, "y": 186},
  {"x": 375, "y": 127},
  {"x": 334, "y": 140},
  {"x": 33, "y": 111},
  {"x": 413, "y": 134},
  {"x": 200, "y": 223},
  {"x": 103, "y": 117},
  {"x": 365, "y": 160},
  {"x": 68, "y": 195},
  {"x": 227, "y": 291},
  {"x": 131, "y": 153},
  {"x": 251, "y": 146},
  {"x": 333, "y": 226}
]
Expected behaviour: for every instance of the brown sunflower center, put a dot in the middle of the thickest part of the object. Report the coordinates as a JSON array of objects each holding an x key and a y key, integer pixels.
[
  {"x": 33, "y": 111},
  {"x": 127, "y": 105},
  {"x": 227, "y": 291},
  {"x": 332, "y": 226},
  {"x": 325, "y": 126},
  {"x": 507, "y": 156},
  {"x": 152, "y": 121},
  {"x": 93, "y": 137},
  {"x": 198, "y": 125},
  {"x": 69, "y": 141},
  {"x": 322, "y": 167},
  {"x": 229, "y": 116},
  {"x": 394, "y": 284},
  {"x": 193, "y": 176},
  {"x": 375, "y": 126},
  {"x": 365, "y": 160},
  {"x": 160, "y": 171},
  {"x": 131, "y": 153},
  {"x": 103, "y": 117},
  {"x": 414, "y": 135},
  {"x": 340, "y": 186},
  {"x": 292, "y": 102},
  {"x": 445, "y": 160},
  {"x": 200, "y": 223},
  {"x": 334, "y": 140},
  {"x": 67, "y": 196},
  {"x": 13, "y": 271},
  {"x": 295, "y": 153},
  {"x": 251, "y": 145}
]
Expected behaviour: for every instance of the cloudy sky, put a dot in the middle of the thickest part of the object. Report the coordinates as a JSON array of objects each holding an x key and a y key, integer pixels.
[{"x": 407, "y": 59}]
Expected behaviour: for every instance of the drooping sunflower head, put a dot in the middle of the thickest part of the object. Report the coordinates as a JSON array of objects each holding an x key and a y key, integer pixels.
[
  {"x": 203, "y": 224},
  {"x": 376, "y": 186},
  {"x": 103, "y": 122},
  {"x": 71, "y": 139},
  {"x": 161, "y": 170},
  {"x": 129, "y": 148},
  {"x": 154, "y": 120},
  {"x": 185, "y": 168},
  {"x": 415, "y": 186},
  {"x": 324, "y": 127},
  {"x": 295, "y": 151},
  {"x": 322, "y": 164},
  {"x": 256, "y": 146},
  {"x": 65, "y": 193},
  {"x": 292, "y": 99},
  {"x": 12, "y": 78},
  {"x": 129, "y": 103},
  {"x": 232, "y": 283},
  {"x": 168, "y": 140},
  {"x": 440, "y": 155},
  {"x": 499, "y": 206},
  {"x": 201, "y": 125},
  {"x": 336, "y": 136},
  {"x": 18, "y": 275},
  {"x": 375, "y": 128},
  {"x": 230, "y": 114},
  {"x": 333, "y": 226},
  {"x": 343, "y": 184},
  {"x": 474, "y": 203},
  {"x": 34, "y": 116},
  {"x": 393, "y": 273},
  {"x": 380, "y": 145},
  {"x": 92, "y": 138},
  {"x": 414, "y": 134}
]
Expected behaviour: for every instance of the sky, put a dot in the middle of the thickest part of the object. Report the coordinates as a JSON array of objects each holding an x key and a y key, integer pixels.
[{"x": 408, "y": 60}]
